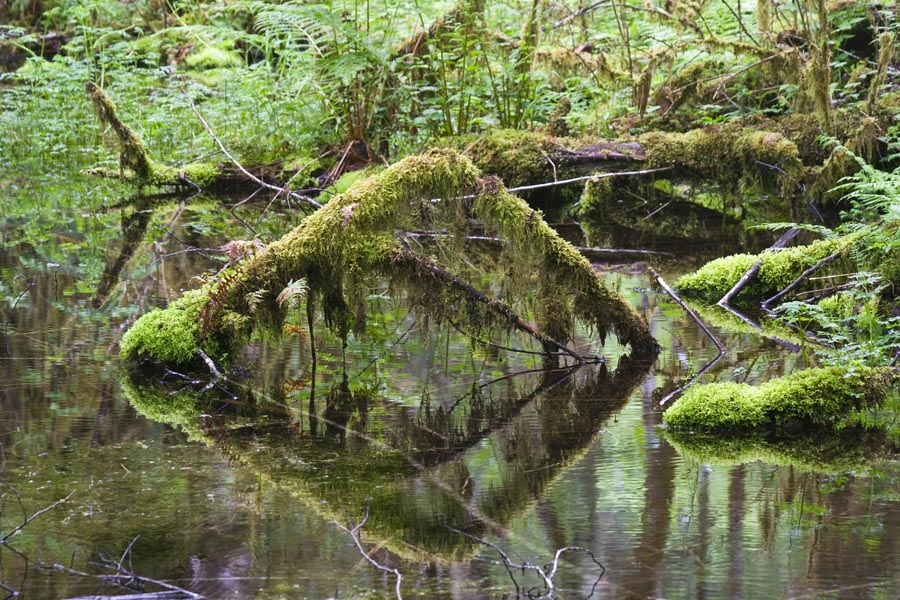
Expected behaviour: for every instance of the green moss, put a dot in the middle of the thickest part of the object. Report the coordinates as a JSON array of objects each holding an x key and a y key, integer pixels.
[
  {"x": 779, "y": 268},
  {"x": 519, "y": 157},
  {"x": 173, "y": 335},
  {"x": 731, "y": 154},
  {"x": 135, "y": 164},
  {"x": 830, "y": 397},
  {"x": 339, "y": 247}
]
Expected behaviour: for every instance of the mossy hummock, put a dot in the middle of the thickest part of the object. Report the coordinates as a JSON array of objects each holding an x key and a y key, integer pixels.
[
  {"x": 831, "y": 397},
  {"x": 778, "y": 269},
  {"x": 357, "y": 236}
]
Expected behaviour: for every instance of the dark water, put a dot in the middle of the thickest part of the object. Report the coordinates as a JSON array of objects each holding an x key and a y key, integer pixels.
[{"x": 433, "y": 436}]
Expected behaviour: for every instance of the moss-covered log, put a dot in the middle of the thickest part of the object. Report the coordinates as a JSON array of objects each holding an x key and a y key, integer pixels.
[
  {"x": 135, "y": 164},
  {"x": 832, "y": 397},
  {"x": 338, "y": 250}
]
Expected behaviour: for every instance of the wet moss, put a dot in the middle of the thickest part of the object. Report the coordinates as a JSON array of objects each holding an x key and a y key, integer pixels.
[
  {"x": 174, "y": 335},
  {"x": 341, "y": 246},
  {"x": 779, "y": 268},
  {"x": 732, "y": 154},
  {"x": 831, "y": 397}
]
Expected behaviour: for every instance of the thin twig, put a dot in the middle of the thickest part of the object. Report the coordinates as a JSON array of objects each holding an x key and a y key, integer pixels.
[
  {"x": 702, "y": 325},
  {"x": 240, "y": 167},
  {"x": 593, "y": 177},
  {"x": 354, "y": 534},
  {"x": 18, "y": 528},
  {"x": 527, "y": 566},
  {"x": 803, "y": 275}
]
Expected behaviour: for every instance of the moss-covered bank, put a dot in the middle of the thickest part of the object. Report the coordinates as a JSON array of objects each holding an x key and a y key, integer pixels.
[{"x": 832, "y": 397}]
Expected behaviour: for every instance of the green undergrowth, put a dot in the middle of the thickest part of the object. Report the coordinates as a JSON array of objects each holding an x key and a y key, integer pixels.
[
  {"x": 831, "y": 397},
  {"x": 778, "y": 269}
]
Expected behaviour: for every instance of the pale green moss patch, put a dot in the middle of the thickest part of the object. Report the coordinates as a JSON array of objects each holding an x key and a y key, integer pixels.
[{"x": 826, "y": 397}]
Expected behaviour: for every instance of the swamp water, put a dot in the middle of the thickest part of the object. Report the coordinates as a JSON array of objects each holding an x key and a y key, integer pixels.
[{"x": 237, "y": 492}]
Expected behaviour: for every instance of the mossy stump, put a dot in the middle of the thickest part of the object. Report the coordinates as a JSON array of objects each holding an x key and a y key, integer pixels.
[{"x": 829, "y": 398}]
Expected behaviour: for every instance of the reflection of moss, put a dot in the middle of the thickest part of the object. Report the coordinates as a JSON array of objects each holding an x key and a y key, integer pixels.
[
  {"x": 848, "y": 449},
  {"x": 779, "y": 268},
  {"x": 180, "y": 409},
  {"x": 827, "y": 397}
]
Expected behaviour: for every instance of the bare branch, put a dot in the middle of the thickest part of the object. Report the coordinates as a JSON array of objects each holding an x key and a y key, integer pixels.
[
  {"x": 702, "y": 325},
  {"x": 247, "y": 173},
  {"x": 354, "y": 534},
  {"x": 19, "y": 528}
]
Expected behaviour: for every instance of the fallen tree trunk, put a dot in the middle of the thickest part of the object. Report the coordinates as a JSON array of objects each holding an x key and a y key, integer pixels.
[{"x": 341, "y": 247}]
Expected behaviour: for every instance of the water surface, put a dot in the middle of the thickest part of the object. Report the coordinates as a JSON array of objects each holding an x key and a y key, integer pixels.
[{"x": 240, "y": 498}]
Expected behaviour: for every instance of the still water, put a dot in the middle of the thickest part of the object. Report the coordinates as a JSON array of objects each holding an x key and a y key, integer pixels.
[{"x": 456, "y": 451}]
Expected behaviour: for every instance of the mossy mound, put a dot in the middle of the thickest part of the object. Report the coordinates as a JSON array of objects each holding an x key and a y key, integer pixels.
[
  {"x": 778, "y": 269},
  {"x": 731, "y": 154},
  {"x": 831, "y": 397},
  {"x": 174, "y": 335}
]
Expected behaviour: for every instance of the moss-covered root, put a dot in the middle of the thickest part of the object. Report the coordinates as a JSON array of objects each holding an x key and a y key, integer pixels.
[
  {"x": 778, "y": 269},
  {"x": 830, "y": 397},
  {"x": 135, "y": 164}
]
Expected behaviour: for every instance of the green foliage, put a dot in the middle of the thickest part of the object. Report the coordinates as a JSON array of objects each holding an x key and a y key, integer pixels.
[
  {"x": 830, "y": 397},
  {"x": 852, "y": 323}
]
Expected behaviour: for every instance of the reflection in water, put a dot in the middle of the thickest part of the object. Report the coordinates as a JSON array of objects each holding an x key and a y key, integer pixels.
[
  {"x": 228, "y": 496},
  {"x": 410, "y": 469}
]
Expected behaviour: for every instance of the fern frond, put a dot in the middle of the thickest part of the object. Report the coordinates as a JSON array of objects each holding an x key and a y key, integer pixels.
[{"x": 293, "y": 292}]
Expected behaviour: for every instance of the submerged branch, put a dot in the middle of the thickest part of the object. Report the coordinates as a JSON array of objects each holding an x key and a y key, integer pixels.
[{"x": 353, "y": 532}]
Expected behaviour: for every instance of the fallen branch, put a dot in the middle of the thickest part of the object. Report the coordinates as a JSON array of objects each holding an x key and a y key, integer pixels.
[
  {"x": 702, "y": 325},
  {"x": 545, "y": 575},
  {"x": 247, "y": 173},
  {"x": 791, "y": 286},
  {"x": 786, "y": 237},
  {"x": 19, "y": 528}
]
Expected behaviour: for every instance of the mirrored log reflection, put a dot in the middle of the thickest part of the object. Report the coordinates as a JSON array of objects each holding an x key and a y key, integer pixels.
[{"x": 419, "y": 470}]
